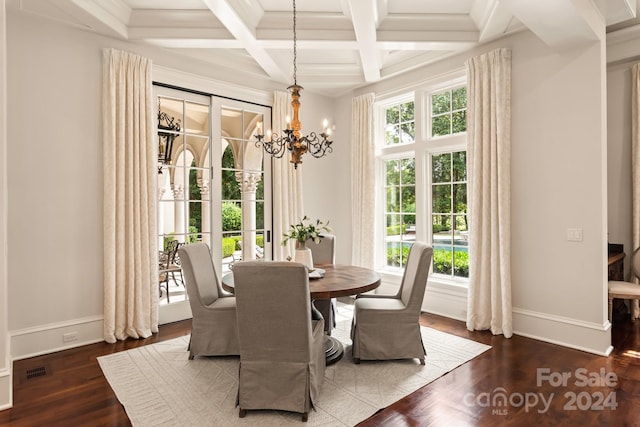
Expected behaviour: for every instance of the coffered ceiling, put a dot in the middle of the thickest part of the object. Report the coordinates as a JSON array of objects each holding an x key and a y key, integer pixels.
[{"x": 342, "y": 44}]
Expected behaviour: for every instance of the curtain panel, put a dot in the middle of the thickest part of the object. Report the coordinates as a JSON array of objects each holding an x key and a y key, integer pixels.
[
  {"x": 130, "y": 174},
  {"x": 363, "y": 181},
  {"x": 288, "y": 201},
  {"x": 635, "y": 171},
  {"x": 489, "y": 192}
]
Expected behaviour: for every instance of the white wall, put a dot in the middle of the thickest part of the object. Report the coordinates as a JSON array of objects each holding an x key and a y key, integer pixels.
[
  {"x": 558, "y": 182},
  {"x": 5, "y": 363},
  {"x": 54, "y": 158},
  {"x": 55, "y": 174},
  {"x": 326, "y": 181}
]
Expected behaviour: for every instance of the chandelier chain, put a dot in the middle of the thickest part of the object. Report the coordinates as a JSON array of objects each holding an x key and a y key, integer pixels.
[
  {"x": 291, "y": 139},
  {"x": 295, "y": 51}
]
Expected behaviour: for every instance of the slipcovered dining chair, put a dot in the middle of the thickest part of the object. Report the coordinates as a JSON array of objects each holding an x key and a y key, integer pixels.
[
  {"x": 282, "y": 360},
  {"x": 386, "y": 327},
  {"x": 214, "y": 328},
  {"x": 626, "y": 290},
  {"x": 325, "y": 253}
]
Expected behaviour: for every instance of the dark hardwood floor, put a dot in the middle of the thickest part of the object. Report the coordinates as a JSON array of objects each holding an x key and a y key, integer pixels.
[{"x": 73, "y": 392}]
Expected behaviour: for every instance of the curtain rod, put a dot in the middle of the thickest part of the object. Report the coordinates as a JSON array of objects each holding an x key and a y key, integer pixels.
[{"x": 199, "y": 92}]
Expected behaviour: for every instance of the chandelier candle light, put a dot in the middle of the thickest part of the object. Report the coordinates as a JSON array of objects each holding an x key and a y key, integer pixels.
[{"x": 292, "y": 140}]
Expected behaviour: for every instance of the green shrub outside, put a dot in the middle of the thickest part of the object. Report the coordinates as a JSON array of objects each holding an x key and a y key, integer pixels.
[
  {"x": 393, "y": 256},
  {"x": 193, "y": 234},
  {"x": 441, "y": 261},
  {"x": 231, "y": 217},
  {"x": 228, "y": 246},
  {"x": 232, "y": 244}
]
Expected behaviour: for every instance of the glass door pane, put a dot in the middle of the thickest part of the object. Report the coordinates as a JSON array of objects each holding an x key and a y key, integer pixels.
[
  {"x": 244, "y": 216},
  {"x": 184, "y": 181},
  {"x": 214, "y": 186}
]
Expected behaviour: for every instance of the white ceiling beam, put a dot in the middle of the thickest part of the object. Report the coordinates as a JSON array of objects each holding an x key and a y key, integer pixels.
[
  {"x": 492, "y": 17},
  {"x": 592, "y": 16},
  {"x": 428, "y": 36},
  {"x": 170, "y": 38},
  {"x": 425, "y": 21},
  {"x": 427, "y": 45},
  {"x": 310, "y": 44},
  {"x": 617, "y": 11},
  {"x": 280, "y": 34},
  {"x": 108, "y": 18},
  {"x": 559, "y": 23},
  {"x": 200, "y": 18},
  {"x": 236, "y": 26},
  {"x": 167, "y": 39},
  {"x": 363, "y": 15},
  {"x": 192, "y": 43},
  {"x": 184, "y": 34},
  {"x": 414, "y": 62},
  {"x": 205, "y": 39}
]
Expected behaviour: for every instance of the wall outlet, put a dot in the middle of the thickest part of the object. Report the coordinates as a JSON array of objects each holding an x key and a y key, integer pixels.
[{"x": 71, "y": 336}]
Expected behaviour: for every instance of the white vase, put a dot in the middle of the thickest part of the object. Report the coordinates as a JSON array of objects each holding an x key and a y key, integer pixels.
[{"x": 303, "y": 255}]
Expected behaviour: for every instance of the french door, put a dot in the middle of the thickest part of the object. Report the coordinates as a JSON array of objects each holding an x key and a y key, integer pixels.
[{"x": 214, "y": 186}]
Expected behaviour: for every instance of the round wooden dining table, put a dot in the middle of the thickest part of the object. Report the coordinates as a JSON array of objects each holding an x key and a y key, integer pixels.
[{"x": 337, "y": 280}]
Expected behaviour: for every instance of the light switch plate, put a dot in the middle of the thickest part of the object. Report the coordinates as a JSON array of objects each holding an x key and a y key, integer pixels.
[{"x": 574, "y": 234}]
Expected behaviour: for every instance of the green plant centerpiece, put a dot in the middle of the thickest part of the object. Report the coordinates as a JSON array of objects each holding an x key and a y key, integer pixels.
[
  {"x": 305, "y": 230},
  {"x": 301, "y": 232}
]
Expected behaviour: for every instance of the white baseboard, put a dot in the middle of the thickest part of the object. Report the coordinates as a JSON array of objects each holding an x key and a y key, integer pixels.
[
  {"x": 46, "y": 339},
  {"x": 445, "y": 301},
  {"x": 577, "y": 334},
  {"x": 6, "y": 389},
  {"x": 591, "y": 337}
]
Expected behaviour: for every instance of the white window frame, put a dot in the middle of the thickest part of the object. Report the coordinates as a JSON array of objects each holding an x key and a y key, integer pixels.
[
  {"x": 423, "y": 147},
  {"x": 383, "y": 154},
  {"x": 434, "y": 145}
]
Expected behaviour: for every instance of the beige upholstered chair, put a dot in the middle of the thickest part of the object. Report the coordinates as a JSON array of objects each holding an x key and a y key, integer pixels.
[
  {"x": 282, "y": 358},
  {"x": 324, "y": 253},
  {"x": 214, "y": 329},
  {"x": 386, "y": 327},
  {"x": 626, "y": 290}
]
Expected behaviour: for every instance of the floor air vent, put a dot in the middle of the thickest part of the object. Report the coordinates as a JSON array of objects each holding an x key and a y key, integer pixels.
[{"x": 36, "y": 372}]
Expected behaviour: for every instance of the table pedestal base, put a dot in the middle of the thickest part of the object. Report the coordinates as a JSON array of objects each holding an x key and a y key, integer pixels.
[{"x": 333, "y": 349}]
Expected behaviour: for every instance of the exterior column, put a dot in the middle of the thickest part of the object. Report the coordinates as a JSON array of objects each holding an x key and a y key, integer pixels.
[
  {"x": 203, "y": 185},
  {"x": 161, "y": 192},
  {"x": 249, "y": 182},
  {"x": 178, "y": 223}
]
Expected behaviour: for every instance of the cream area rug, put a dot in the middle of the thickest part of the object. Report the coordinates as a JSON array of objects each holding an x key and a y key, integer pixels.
[{"x": 159, "y": 386}]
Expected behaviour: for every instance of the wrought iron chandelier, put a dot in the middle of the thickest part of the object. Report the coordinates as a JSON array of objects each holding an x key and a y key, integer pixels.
[
  {"x": 292, "y": 140},
  {"x": 168, "y": 128}
]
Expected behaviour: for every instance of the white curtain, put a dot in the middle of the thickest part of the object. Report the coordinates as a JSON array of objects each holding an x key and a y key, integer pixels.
[
  {"x": 288, "y": 202},
  {"x": 129, "y": 170},
  {"x": 635, "y": 170},
  {"x": 362, "y": 181},
  {"x": 489, "y": 194}
]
